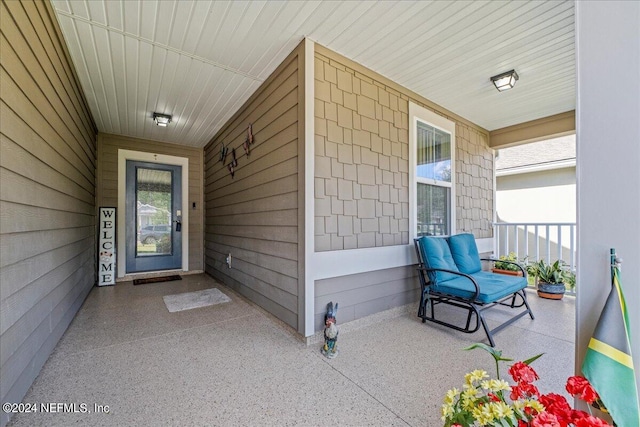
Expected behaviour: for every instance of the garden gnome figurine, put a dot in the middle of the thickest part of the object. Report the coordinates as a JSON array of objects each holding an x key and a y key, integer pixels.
[{"x": 330, "y": 348}]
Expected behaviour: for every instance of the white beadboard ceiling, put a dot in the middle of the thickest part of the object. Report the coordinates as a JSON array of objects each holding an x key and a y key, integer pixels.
[{"x": 200, "y": 60}]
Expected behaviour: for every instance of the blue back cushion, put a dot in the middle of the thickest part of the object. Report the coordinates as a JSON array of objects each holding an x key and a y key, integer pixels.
[
  {"x": 465, "y": 253},
  {"x": 436, "y": 254}
]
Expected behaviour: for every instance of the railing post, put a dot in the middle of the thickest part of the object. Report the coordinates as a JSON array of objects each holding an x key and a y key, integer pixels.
[
  {"x": 537, "y": 244},
  {"x": 572, "y": 247},
  {"x": 526, "y": 242},
  {"x": 547, "y": 231}
]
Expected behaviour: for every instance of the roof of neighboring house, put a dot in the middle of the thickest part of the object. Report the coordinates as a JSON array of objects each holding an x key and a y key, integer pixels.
[{"x": 549, "y": 154}]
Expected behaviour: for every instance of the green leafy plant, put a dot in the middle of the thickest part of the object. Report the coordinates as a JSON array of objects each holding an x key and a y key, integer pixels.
[
  {"x": 570, "y": 279},
  {"x": 549, "y": 273},
  {"x": 500, "y": 264}
]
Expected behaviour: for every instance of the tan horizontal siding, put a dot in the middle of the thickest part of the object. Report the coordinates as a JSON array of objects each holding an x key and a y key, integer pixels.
[
  {"x": 41, "y": 293},
  {"x": 16, "y": 131},
  {"x": 19, "y": 161},
  {"x": 282, "y": 249},
  {"x": 107, "y": 193},
  {"x": 254, "y": 216},
  {"x": 47, "y": 193},
  {"x": 360, "y": 295}
]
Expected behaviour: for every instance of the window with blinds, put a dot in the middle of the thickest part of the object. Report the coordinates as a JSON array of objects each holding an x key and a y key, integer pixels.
[{"x": 434, "y": 169}]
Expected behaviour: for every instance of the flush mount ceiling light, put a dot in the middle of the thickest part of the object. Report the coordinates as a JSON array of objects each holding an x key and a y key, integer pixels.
[
  {"x": 161, "y": 119},
  {"x": 505, "y": 81}
]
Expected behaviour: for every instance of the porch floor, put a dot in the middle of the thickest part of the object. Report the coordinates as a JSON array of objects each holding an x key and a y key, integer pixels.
[{"x": 233, "y": 364}]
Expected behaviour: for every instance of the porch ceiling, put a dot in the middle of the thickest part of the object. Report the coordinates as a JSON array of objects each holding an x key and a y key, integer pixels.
[{"x": 200, "y": 60}]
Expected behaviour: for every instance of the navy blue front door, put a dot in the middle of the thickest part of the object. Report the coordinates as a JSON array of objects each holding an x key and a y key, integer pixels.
[{"x": 153, "y": 217}]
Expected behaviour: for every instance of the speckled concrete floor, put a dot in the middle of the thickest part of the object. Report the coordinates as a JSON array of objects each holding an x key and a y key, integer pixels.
[{"x": 234, "y": 365}]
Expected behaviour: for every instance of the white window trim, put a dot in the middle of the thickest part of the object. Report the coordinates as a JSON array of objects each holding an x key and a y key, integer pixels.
[{"x": 418, "y": 113}]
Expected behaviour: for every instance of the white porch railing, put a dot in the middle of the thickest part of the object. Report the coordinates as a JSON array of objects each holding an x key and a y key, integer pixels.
[{"x": 534, "y": 241}]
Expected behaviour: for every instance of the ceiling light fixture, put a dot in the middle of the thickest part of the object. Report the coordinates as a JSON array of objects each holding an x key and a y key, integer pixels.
[
  {"x": 505, "y": 81},
  {"x": 161, "y": 119}
]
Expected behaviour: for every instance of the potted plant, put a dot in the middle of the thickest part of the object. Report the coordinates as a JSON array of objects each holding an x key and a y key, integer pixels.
[
  {"x": 507, "y": 264},
  {"x": 551, "y": 278}
]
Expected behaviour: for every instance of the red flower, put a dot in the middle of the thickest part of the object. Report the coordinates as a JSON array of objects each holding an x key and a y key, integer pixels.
[
  {"x": 591, "y": 421},
  {"x": 493, "y": 397},
  {"x": 521, "y": 372},
  {"x": 524, "y": 390},
  {"x": 558, "y": 406},
  {"x": 576, "y": 384},
  {"x": 545, "y": 419},
  {"x": 580, "y": 385},
  {"x": 523, "y": 423},
  {"x": 577, "y": 415}
]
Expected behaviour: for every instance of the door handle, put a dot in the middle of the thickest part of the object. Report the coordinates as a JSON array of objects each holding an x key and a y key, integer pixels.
[{"x": 178, "y": 225}]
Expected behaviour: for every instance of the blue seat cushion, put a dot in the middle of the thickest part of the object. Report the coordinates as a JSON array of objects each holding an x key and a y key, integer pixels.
[
  {"x": 436, "y": 254},
  {"x": 492, "y": 286},
  {"x": 465, "y": 253}
]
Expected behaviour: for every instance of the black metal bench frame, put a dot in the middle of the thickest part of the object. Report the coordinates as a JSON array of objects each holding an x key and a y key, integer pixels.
[{"x": 430, "y": 297}]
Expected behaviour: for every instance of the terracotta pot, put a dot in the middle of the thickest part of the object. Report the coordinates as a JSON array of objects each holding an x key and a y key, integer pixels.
[
  {"x": 551, "y": 290},
  {"x": 507, "y": 272}
]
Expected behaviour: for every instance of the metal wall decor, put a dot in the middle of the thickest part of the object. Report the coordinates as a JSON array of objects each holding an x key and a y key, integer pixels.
[
  {"x": 223, "y": 152},
  {"x": 250, "y": 134},
  {"x": 246, "y": 145},
  {"x": 234, "y": 160}
]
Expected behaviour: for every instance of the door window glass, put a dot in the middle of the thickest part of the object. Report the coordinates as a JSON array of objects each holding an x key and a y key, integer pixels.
[{"x": 153, "y": 212}]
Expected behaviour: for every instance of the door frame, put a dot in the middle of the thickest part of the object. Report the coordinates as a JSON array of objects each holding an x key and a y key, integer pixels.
[{"x": 123, "y": 156}]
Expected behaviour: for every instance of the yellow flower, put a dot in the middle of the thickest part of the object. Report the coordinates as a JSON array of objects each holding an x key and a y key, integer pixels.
[
  {"x": 534, "y": 404},
  {"x": 495, "y": 385},
  {"x": 469, "y": 398},
  {"x": 518, "y": 405},
  {"x": 483, "y": 414},
  {"x": 476, "y": 375},
  {"x": 447, "y": 411},
  {"x": 500, "y": 410},
  {"x": 451, "y": 395}
]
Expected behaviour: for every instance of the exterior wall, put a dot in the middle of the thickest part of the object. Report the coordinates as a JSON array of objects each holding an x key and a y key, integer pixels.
[
  {"x": 255, "y": 215},
  {"x": 543, "y": 196},
  {"x": 607, "y": 173},
  {"x": 360, "y": 295},
  {"x": 47, "y": 208},
  {"x": 107, "y": 182},
  {"x": 362, "y": 181}
]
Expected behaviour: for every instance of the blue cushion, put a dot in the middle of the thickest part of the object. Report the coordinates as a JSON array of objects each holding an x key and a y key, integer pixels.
[
  {"x": 465, "y": 253},
  {"x": 436, "y": 254},
  {"x": 492, "y": 286}
]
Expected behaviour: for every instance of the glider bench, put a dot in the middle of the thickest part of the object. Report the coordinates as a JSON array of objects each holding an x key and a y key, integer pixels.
[{"x": 450, "y": 272}]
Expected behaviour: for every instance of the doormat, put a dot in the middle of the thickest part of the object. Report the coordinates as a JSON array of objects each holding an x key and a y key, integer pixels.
[
  {"x": 156, "y": 280},
  {"x": 189, "y": 300}
]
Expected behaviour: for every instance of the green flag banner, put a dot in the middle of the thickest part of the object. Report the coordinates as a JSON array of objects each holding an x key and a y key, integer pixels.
[{"x": 608, "y": 364}]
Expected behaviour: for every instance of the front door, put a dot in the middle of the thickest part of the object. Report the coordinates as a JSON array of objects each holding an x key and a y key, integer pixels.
[{"x": 153, "y": 216}]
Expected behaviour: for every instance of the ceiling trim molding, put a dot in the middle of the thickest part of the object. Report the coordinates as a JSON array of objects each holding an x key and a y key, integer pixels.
[
  {"x": 160, "y": 45},
  {"x": 568, "y": 163},
  {"x": 535, "y": 130}
]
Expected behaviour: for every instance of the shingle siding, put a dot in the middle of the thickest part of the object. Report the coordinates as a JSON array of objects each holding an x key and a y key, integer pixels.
[{"x": 362, "y": 156}]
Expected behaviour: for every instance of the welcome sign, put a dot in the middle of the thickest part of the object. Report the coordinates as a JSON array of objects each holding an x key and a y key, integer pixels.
[{"x": 107, "y": 247}]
